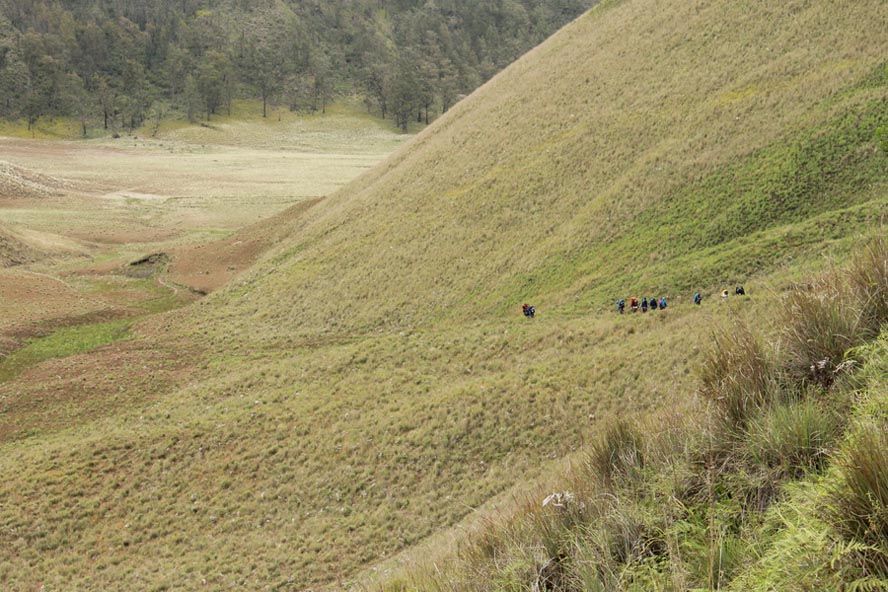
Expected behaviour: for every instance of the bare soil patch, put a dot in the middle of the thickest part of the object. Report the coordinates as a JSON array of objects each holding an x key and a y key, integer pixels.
[
  {"x": 205, "y": 268},
  {"x": 78, "y": 389}
]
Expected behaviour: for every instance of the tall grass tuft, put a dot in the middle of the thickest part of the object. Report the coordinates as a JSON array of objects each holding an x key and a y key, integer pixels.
[
  {"x": 819, "y": 327},
  {"x": 736, "y": 374},
  {"x": 835, "y": 315},
  {"x": 868, "y": 282},
  {"x": 618, "y": 451},
  {"x": 858, "y": 503},
  {"x": 792, "y": 438}
]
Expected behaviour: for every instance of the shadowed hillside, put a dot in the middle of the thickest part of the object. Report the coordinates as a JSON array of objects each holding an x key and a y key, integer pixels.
[
  {"x": 13, "y": 251},
  {"x": 371, "y": 381}
]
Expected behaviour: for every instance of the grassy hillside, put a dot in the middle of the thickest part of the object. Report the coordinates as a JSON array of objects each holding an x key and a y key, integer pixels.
[
  {"x": 723, "y": 145},
  {"x": 775, "y": 481},
  {"x": 371, "y": 381}
]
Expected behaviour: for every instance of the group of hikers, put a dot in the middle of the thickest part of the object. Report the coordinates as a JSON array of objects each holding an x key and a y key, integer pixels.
[
  {"x": 644, "y": 304},
  {"x": 634, "y": 306},
  {"x": 654, "y": 304}
]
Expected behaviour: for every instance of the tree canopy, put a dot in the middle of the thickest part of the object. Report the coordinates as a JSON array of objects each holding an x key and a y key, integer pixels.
[{"x": 115, "y": 62}]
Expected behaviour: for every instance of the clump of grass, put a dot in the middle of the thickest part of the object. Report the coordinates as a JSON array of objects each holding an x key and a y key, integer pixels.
[
  {"x": 836, "y": 314},
  {"x": 736, "y": 374},
  {"x": 868, "y": 282},
  {"x": 819, "y": 328},
  {"x": 618, "y": 451},
  {"x": 792, "y": 438},
  {"x": 858, "y": 503}
]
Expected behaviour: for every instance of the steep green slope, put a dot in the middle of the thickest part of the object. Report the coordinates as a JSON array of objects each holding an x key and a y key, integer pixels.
[
  {"x": 646, "y": 148},
  {"x": 371, "y": 380}
]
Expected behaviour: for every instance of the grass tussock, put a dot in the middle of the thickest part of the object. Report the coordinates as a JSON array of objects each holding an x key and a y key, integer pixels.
[
  {"x": 793, "y": 438},
  {"x": 618, "y": 452},
  {"x": 858, "y": 503},
  {"x": 868, "y": 282},
  {"x": 736, "y": 374},
  {"x": 832, "y": 316}
]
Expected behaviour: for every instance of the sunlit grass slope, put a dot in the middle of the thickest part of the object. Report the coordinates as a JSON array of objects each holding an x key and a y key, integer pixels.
[{"x": 371, "y": 380}]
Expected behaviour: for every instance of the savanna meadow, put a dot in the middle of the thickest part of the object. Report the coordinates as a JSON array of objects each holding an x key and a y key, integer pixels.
[{"x": 359, "y": 295}]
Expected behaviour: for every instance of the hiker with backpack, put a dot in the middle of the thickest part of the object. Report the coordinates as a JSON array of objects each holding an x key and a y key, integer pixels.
[
  {"x": 528, "y": 310},
  {"x": 698, "y": 298},
  {"x": 644, "y": 304},
  {"x": 740, "y": 291},
  {"x": 621, "y": 305},
  {"x": 662, "y": 303}
]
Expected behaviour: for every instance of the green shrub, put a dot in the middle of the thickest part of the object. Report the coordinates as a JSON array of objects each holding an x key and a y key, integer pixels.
[
  {"x": 736, "y": 374},
  {"x": 858, "y": 503},
  {"x": 792, "y": 438}
]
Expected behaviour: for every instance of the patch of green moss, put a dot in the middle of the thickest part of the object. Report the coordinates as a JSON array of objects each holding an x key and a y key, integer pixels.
[{"x": 63, "y": 343}]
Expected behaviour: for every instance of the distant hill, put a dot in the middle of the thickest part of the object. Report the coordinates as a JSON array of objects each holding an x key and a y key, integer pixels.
[
  {"x": 371, "y": 380},
  {"x": 118, "y": 64}
]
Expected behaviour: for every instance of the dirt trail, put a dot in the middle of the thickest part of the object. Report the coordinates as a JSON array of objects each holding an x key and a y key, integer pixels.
[{"x": 53, "y": 278}]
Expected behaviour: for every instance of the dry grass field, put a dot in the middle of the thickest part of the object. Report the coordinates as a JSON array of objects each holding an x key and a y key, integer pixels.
[{"x": 368, "y": 380}]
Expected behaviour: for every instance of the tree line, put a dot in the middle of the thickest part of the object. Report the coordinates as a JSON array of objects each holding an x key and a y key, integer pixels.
[{"x": 120, "y": 63}]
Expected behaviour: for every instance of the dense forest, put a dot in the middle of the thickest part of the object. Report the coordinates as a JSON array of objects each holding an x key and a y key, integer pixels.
[{"x": 118, "y": 63}]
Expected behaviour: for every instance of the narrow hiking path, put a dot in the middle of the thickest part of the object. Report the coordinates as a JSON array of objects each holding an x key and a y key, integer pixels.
[{"x": 49, "y": 277}]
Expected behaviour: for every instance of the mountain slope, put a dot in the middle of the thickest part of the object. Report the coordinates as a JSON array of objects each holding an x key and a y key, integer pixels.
[
  {"x": 371, "y": 381},
  {"x": 646, "y": 147}
]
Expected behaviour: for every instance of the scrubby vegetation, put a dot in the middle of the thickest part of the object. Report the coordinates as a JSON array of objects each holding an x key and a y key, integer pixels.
[{"x": 790, "y": 493}]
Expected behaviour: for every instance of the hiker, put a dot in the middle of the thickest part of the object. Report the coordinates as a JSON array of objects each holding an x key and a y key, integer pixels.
[
  {"x": 662, "y": 303},
  {"x": 644, "y": 304},
  {"x": 740, "y": 291},
  {"x": 724, "y": 295},
  {"x": 633, "y": 303},
  {"x": 621, "y": 305},
  {"x": 698, "y": 298},
  {"x": 529, "y": 311}
]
